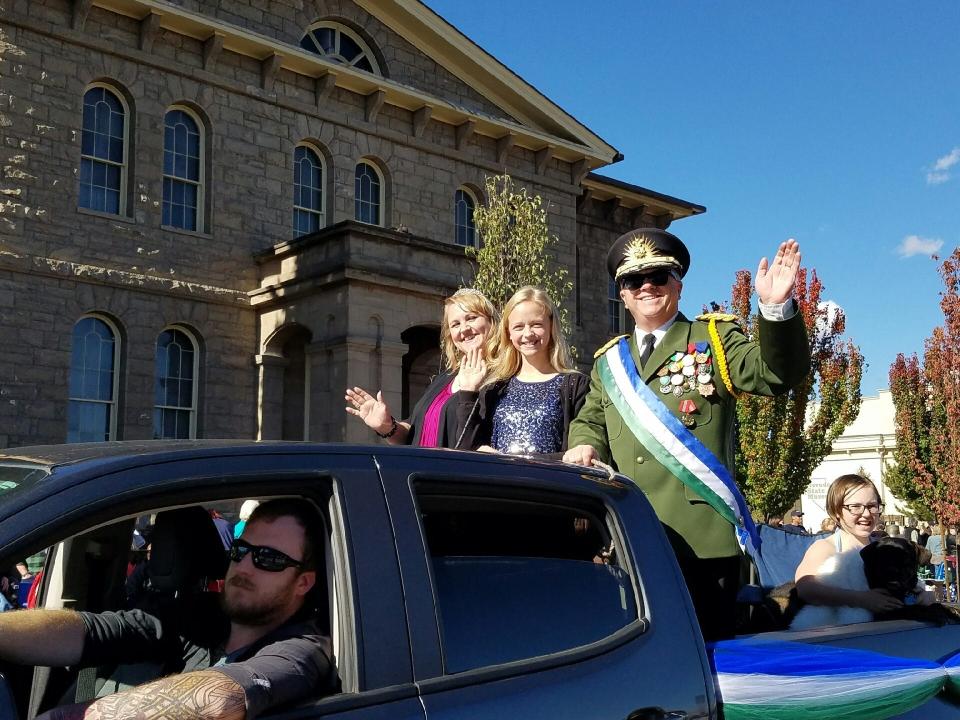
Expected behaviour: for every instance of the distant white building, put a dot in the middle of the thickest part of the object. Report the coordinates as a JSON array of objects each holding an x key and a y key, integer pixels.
[{"x": 867, "y": 443}]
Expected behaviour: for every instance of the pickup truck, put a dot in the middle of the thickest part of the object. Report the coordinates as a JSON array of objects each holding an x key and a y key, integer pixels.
[{"x": 456, "y": 584}]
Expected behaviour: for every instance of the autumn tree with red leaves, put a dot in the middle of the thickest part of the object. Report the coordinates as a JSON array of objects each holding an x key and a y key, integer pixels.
[
  {"x": 927, "y": 402},
  {"x": 913, "y": 406},
  {"x": 783, "y": 439}
]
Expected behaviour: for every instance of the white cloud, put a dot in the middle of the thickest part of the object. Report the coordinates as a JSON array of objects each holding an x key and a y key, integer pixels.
[
  {"x": 916, "y": 245},
  {"x": 939, "y": 172},
  {"x": 948, "y": 161}
]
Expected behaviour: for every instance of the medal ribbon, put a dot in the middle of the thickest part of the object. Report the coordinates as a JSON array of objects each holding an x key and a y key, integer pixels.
[{"x": 672, "y": 444}]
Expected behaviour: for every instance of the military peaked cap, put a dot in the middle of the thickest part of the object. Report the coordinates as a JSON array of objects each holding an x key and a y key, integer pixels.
[{"x": 646, "y": 249}]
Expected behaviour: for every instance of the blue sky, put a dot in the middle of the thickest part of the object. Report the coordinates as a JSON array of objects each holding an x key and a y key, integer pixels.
[{"x": 837, "y": 123}]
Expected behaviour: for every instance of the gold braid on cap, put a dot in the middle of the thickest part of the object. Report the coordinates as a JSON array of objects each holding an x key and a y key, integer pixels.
[{"x": 640, "y": 254}]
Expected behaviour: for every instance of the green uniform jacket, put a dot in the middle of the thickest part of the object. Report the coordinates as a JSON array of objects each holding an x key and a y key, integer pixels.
[{"x": 771, "y": 367}]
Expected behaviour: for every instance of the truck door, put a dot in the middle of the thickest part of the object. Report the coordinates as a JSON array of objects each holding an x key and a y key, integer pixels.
[
  {"x": 88, "y": 521},
  {"x": 540, "y": 591}
]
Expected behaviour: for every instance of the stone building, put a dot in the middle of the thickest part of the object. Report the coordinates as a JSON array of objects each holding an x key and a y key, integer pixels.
[{"x": 215, "y": 215}]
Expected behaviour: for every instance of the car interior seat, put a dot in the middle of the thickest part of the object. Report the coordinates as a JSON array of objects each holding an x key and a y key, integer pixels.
[{"x": 185, "y": 571}]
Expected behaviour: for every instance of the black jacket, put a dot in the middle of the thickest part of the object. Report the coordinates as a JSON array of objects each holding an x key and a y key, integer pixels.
[{"x": 475, "y": 410}]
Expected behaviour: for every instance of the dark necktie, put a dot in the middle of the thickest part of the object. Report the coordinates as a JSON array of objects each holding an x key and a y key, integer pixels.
[{"x": 646, "y": 349}]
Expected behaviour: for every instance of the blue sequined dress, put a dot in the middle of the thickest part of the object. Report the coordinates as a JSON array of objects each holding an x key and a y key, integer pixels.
[{"x": 529, "y": 417}]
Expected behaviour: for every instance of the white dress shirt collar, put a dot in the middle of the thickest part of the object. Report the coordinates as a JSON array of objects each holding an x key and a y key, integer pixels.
[{"x": 657, "y": 334}]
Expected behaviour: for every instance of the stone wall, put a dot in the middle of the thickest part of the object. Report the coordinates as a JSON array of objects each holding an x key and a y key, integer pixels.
[{"x": 41, "y": 301}]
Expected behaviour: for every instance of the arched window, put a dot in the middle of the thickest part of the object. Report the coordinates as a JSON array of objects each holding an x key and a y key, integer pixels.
[
  {"x": 92, "y": 405},
  {"x": 340, "y": 44},
  {"x": 307, "y": 191},
  {"x": 366, "y": 193},
  {"x": 103, "y": 152},
  {"x": 182, "y": 170},
  {"x": 175, "y": 391},
  {"x": 464, "y": 204}
]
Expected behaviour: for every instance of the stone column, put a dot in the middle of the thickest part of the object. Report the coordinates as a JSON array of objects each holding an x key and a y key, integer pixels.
[
  {"x": 341, "y": 363},
  {"x": 391, "y": 363},
  {"x": 269, "y": 396}
]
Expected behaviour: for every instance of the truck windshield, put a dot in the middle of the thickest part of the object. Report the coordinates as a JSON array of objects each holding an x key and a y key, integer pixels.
[{"x": 16, "y": 476}]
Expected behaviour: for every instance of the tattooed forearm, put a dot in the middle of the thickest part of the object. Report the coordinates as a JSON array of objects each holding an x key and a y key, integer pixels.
[{"x": 203, "y": 695}]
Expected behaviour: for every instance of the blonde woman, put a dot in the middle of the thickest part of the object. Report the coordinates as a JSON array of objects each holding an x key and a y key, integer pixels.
[
  {"x": 532, "y": 392},
  {"x": 468, "y": 321}
]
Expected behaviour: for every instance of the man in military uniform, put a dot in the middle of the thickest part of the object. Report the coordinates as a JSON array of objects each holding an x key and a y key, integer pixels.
[{"x": 662, "y": 405}]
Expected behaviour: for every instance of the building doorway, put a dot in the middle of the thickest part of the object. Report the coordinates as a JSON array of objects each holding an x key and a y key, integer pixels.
[{"x": 421, "y": 362}]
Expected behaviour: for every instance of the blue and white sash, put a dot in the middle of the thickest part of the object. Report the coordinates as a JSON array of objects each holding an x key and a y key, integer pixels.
[{"x": 672, "y": 444}]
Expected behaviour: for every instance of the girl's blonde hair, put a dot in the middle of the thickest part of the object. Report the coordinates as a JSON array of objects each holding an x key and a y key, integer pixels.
[
  {"x": 505, "y": 362},
  {"x": 468, "y": 300}
]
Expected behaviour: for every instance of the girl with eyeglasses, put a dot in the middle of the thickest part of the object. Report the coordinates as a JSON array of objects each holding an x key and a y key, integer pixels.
[{"x": 853, "y": 502}]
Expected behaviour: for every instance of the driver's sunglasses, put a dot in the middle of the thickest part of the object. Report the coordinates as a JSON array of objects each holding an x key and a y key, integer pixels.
[
  {"x": 264, "y": 558},
  {"x": 636, "y": 281},
  {"x": 860, "y": 508}
]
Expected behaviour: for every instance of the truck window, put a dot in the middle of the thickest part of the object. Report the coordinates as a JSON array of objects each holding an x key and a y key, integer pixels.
[
  {"x": 517, "y": 578},
  {"x": 146, "y": 562}
]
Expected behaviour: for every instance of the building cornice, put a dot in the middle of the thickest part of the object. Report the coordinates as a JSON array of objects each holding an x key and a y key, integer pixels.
[
  {"x": 634, "y": 197},
  {"x": 566, "y": 139}
]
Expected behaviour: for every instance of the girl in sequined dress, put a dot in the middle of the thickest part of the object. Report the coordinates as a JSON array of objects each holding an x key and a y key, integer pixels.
[
  {"x": 468, "y": 321},
  {"x": 532, "y": 391}
]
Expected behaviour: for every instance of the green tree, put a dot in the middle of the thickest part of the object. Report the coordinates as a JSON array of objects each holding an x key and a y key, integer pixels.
[
  {"x": 927, "y": 401},
  {"x": 783, "y": 439},
  {"x": 515, "y": 246},
  {"x": 912, "y": 403}
]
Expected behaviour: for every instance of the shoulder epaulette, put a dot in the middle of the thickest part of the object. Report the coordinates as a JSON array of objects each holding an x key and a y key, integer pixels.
[
  {"x": 610, "y": 343},
  {"x": 718, "y": 316}
]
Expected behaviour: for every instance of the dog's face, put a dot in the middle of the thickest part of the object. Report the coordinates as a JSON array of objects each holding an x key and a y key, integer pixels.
[{"x": 891, "y": 564}]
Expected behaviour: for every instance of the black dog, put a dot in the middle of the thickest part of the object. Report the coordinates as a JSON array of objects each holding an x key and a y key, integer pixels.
[{"x": 891, "y": 564}]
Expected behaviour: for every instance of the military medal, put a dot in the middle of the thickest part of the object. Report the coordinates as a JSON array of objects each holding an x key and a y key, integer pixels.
[
  {"x": 706, "y": 389},
  {"x": 687, "y": 408}
]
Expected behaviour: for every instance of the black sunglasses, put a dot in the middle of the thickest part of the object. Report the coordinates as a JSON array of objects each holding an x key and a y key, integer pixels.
[
  {"x": 636, "y": 281},
  {"x": 264, "y": 558}
]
